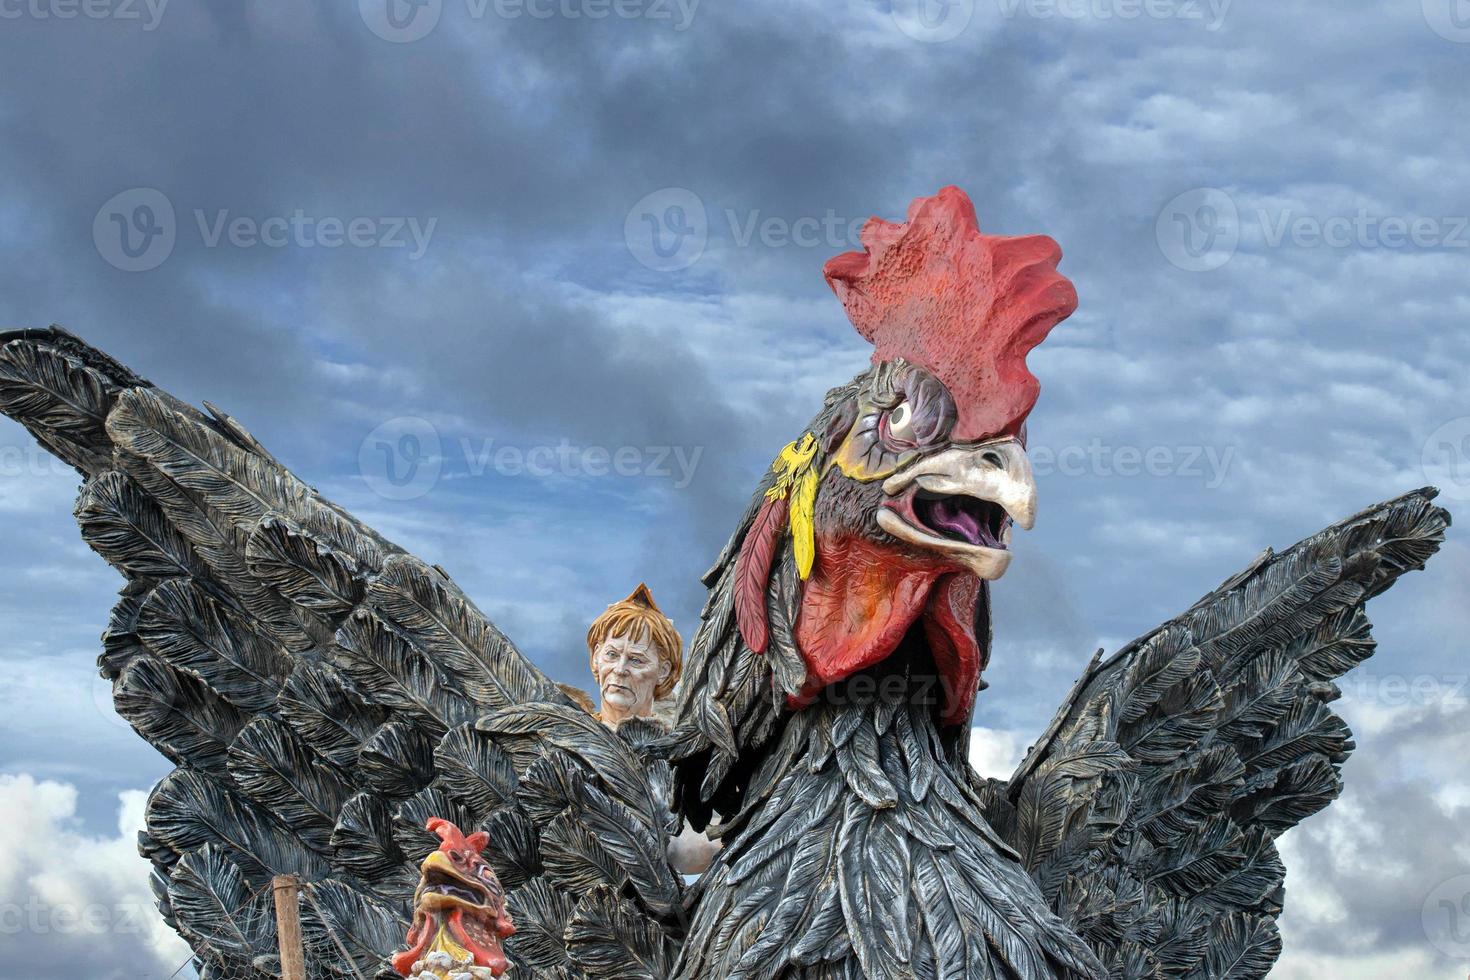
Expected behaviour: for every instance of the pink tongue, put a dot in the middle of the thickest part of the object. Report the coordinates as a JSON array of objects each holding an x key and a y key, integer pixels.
[{"x": 946, "y": 516}]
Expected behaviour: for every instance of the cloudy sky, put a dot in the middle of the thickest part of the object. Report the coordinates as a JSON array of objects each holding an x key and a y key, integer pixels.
[{"x": 534, "y": 287}]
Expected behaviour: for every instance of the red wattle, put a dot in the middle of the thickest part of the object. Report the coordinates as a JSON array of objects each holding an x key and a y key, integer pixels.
[{"x": 862, "y": 599}]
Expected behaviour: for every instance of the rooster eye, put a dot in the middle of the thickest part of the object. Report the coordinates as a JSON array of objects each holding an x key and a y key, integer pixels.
[{"x": 901, "y": 422}]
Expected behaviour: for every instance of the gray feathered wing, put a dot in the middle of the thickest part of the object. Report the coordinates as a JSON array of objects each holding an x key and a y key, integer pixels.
[
  {"x": 322, "y": 694},
  {"x": 1149, "y": 811}
]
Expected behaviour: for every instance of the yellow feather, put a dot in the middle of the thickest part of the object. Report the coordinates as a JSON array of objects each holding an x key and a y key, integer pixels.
[
  {"x": 803, "y": 529},
  {"x": 796, "y": 478}
]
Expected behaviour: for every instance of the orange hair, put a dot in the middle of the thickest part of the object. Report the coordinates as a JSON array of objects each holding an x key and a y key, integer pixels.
[{"x": 638, "y": 617}]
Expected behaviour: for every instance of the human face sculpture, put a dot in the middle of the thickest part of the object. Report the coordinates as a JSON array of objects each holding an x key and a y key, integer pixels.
[{"x": 629, "y": 670}]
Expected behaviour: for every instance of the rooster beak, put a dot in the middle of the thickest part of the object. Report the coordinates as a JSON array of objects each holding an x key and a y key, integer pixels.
[
  {"x": 442, "y": 885},
  {"x": 961, "y": 502}
]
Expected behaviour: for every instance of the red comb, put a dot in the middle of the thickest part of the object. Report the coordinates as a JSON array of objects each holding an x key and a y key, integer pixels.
[
  {"x": 454, "y": 838},
  {"x": 963, "y": 305}
]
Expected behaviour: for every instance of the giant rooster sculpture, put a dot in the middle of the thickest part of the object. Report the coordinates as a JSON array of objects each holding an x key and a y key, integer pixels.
[{"x": 324, "y": 694}]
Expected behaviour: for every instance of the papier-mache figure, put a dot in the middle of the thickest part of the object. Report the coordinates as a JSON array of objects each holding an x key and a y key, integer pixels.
[
  {"x": 324, "y": 693},
  {"x": 459, "y": 916},
  {"x": 636, "y": 656}
]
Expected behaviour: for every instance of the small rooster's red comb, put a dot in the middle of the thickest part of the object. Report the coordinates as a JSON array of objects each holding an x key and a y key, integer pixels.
[
  {"x": 454, "y": 838},
  {"x": 965, "y": 306}
]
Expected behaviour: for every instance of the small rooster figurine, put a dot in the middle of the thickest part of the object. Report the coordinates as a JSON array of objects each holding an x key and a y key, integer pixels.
[{"x": 459, "y": 915}]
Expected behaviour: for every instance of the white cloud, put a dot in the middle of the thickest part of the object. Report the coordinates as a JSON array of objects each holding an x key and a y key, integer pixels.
[
  {"x": 76, "y": 904},
  {"x": 995, "y": 752},
  {"x": 1297, "y": 965}
]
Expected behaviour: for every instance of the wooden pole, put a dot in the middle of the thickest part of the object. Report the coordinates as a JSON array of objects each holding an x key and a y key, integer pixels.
[{"x": 288, "y": 926}]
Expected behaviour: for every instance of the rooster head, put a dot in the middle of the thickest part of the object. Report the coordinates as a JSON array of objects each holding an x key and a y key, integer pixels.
[
  {"x": 459, "y": 907},
  {"x": 899, "y": 500}
]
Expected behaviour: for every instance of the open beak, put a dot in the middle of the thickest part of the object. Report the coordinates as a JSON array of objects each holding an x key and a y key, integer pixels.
[
  {"x": 442, "y": 885},
  {"x": 962, "y": 502}
]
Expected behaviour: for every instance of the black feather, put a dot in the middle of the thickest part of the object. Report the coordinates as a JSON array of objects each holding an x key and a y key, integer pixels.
[
  {"x": 176, "y": 713},
  {"x": 193, "y": 633},
  {"x": 612, "y": 940}
]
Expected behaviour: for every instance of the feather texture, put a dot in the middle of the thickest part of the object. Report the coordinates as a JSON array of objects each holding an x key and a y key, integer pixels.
[
  {"x": 337, "y": 917},
  {"x": 578, "y": 734},
  {"x": 59, "y": 398},
  {"x": 438, "y": 621},
  {"x": 274, "y": 769},
  {"x": 176, "y": 713},
  {"x": 753, "y": 571},
  {"x": 1166, "y": 855},
  {"x": 193, "y": 633},
  {"x": 610, "y": 940},
  {"x": 315, "y": 684},
  {"x": 215, "y": 906}
]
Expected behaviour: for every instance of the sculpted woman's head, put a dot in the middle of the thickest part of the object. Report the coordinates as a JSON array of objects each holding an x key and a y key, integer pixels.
[{"x": 636, "y": 656}]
